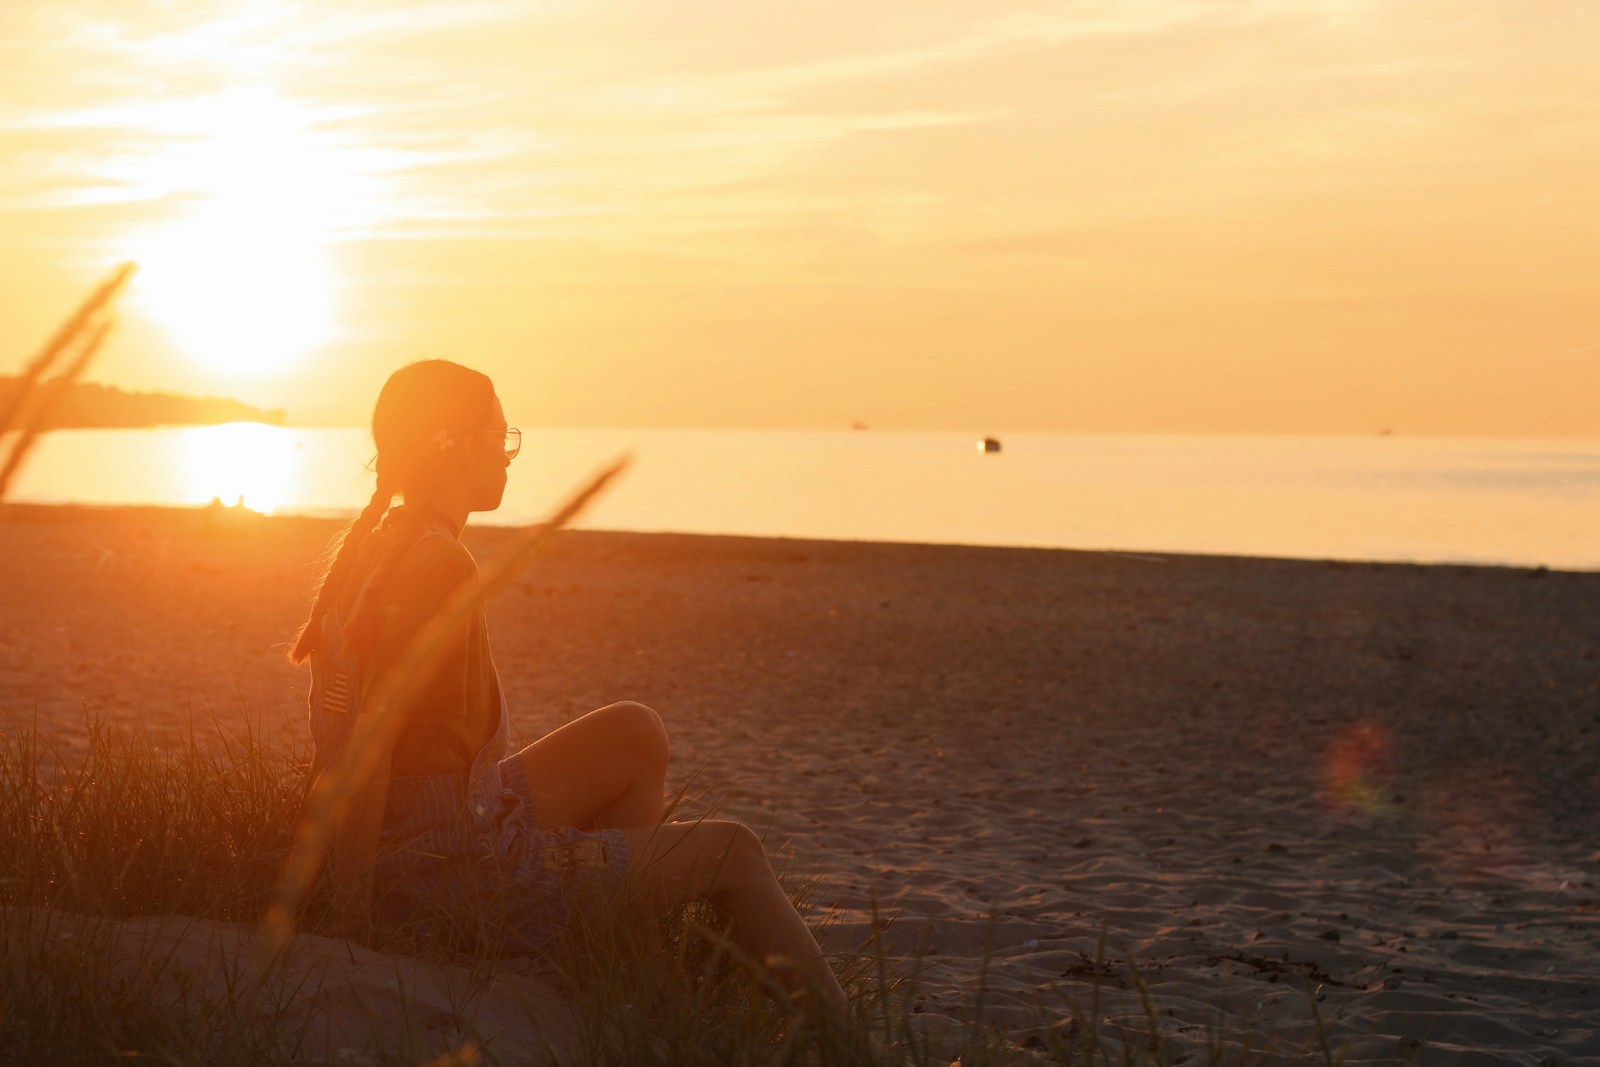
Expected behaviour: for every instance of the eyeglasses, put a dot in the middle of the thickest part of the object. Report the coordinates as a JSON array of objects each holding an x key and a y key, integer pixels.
[{"x": 512, "y": 443}]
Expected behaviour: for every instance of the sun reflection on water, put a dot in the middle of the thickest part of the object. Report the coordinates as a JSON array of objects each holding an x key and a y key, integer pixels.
[{"x": 247, "y": 463}]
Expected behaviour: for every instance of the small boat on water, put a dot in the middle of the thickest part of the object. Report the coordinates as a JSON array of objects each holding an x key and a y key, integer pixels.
[{"x": 989, "y": 444}]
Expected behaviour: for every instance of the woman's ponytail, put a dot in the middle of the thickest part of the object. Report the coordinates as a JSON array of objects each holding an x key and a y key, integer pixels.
[{"x": 342, "y": 550}]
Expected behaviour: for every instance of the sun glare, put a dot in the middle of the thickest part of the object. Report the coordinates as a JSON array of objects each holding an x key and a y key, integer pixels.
[
  {"x": 246, "y": 463},
  {"x": 243, "y": 280}
]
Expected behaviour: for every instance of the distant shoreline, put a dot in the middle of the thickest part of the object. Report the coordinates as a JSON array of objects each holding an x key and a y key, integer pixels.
[{"x": 92, "y": 406}]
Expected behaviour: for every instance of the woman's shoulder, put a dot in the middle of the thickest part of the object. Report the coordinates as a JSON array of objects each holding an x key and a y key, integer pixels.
[
  {"x": 428, "y": 569},
  {"x": 418, "y": 550},
  {"x": 438, "y": 556}
]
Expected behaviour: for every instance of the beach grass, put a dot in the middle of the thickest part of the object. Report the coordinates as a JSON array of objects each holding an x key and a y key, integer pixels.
[{"x": 132, "y": 828}]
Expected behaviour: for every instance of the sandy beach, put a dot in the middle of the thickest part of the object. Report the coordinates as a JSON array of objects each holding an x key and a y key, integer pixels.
[{"x": 1258, "y": 780}]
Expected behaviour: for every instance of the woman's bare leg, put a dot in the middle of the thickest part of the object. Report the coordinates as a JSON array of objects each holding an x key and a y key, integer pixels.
[
  {"x": 725, "y": 864},
  {"x": 608, "y": 768}
]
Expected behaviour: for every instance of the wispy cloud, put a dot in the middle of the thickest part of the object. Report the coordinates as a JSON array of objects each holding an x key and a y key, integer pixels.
[
  {"x": 494, "y": 119},
  {"x": 481, "y": 92}
]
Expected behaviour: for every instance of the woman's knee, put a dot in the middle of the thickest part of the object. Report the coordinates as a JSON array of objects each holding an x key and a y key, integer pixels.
[
  {"x": 641, "y": 729},
  {"x": 743, "y": 861},
  {"x": 710, "y": 859}
]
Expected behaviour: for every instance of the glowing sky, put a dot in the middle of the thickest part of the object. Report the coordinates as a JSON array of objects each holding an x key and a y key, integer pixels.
[{"x": 1281, "y": 216}]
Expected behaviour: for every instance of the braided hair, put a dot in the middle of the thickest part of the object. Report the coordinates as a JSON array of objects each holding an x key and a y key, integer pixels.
[{"x": 420, "y": 405}]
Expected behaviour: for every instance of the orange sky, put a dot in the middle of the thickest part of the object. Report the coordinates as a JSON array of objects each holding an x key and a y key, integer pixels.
[{"x": 1149, "y": 215}]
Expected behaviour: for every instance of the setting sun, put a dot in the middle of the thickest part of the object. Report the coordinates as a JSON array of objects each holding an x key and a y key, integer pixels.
[
  {"x": 242, "y": 293},
  {"x": 242, "y": 279}
]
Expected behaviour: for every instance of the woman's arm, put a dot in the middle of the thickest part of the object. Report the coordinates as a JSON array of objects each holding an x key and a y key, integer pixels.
[{"x": 355, "y": 843}]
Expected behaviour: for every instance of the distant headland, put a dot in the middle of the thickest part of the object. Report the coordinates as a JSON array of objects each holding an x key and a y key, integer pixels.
[{"x": 88, "y": 404}]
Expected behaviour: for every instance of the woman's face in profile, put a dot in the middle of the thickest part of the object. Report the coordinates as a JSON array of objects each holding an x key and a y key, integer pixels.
[{"x": 486, "y": 462}]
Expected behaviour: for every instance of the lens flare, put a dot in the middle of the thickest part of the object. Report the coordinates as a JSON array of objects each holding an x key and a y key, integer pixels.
[{"x": 1355, "y": 770}]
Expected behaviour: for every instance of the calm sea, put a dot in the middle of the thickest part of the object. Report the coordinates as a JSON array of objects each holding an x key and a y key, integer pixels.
[{"x": 1526, "y": 502}]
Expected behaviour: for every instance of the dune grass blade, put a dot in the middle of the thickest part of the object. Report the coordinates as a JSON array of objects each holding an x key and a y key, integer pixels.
[
  {"x": 60, "y": 341},
  {"x": 376, "y": 726},
  {"x": 47, "y": 395},
  {"x": 32, "y": 403}
]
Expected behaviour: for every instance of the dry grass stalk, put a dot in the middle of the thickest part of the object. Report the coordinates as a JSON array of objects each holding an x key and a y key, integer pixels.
[{"x": 86, "y": 330}]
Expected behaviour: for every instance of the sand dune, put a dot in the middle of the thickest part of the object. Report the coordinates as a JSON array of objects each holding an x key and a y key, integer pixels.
[{"x": 340, "y": 1001}]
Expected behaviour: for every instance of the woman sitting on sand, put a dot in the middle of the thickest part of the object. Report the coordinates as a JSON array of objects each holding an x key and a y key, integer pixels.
[{"x": 447, "y": 812}]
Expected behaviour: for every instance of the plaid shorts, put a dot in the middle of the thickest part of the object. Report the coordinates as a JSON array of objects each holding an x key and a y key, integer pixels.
[{"x": 467, "y": 863}]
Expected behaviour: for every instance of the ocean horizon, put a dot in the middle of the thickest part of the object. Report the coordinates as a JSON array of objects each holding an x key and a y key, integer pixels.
[{"x": 1497, "y": 501}]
